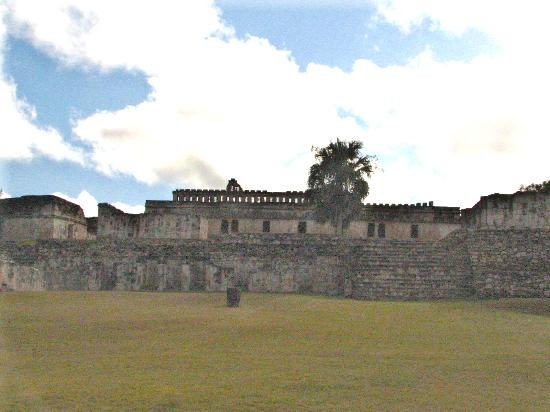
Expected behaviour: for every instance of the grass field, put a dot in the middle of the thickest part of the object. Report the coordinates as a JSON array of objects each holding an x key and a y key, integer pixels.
[{"x": 172, "y": 351}]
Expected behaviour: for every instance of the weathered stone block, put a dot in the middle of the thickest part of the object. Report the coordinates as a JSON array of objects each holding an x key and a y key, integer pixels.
[{"x": 233, "y": 297}]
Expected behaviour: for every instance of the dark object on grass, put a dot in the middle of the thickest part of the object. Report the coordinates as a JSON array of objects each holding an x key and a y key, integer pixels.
[{"x": 233, "y": 297}]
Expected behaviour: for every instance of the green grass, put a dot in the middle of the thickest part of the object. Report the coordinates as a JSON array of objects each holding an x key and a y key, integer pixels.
[{"x": 164, "y": 351}]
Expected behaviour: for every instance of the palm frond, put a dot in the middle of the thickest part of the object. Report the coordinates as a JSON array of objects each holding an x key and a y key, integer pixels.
[{"x": 337, "y": 182}]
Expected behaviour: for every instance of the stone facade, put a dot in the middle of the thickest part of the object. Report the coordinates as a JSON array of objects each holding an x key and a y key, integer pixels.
[
  {"x": 112, "y": 222},
  {"x": 510, "y": 263},
  {"x": 488, "y": 263},
  {"x": 41, "y": 217},
  {"x": 207, "y": 240},
  {"x": 211, "y": 214},
  {"x": 256, "y": 264},
  {"x": 518, "y": 210},
  {"x": 91, "y": 223}
]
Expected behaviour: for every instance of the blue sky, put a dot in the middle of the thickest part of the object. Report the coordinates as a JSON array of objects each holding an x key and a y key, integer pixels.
[
  {"x": 60, "y": 94},
  {"x": 105, "y": 105},
  {"x": 339, "y": 36}
]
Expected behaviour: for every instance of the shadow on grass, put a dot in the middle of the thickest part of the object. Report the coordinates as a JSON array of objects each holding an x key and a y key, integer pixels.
[
  {"x": 170, "y": 405},
  {"x": 539, "y": 307}
]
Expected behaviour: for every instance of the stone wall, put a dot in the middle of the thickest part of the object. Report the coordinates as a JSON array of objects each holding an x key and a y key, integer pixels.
[
  {"x": 114, "y": 223},
  {"x": 510, "y": 263},
  {"x": 169, "y": 223},
  {"x": 91, "y": 226},
  {"x": 508, "y": 211},
  {"x": 206, "y": 214},
  {"x": 433, "y": 222},
  {"x": 172, "y": 224},
  {"x": 259, "y": 265},
  {"x": 41, "y": 217},
  {"x": 464, "y": 264}
]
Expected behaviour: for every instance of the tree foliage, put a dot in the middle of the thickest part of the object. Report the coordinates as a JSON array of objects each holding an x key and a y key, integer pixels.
[
  {"x": 337, "y": 182},
  {"x": 543, "y": 187}
]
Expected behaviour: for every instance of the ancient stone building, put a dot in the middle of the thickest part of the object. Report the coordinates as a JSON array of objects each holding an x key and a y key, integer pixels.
[
  {"x": 41, "y": 217},
  {"x": 501, "y": 211},
  {"x": 91, "y": 223},
  {"x": 205, "y": 240},
  {"x": 211, "y": 214}
]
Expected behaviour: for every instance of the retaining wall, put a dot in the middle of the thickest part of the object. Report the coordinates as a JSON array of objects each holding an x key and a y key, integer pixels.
[
  {"x": 510, "y": 263},
  {"x": 265, "y": 265},
  {"x": 484, "y": 263}
]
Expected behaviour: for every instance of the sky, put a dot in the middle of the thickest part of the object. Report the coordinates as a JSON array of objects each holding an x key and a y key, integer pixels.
[{"x": 124, "y": 101}]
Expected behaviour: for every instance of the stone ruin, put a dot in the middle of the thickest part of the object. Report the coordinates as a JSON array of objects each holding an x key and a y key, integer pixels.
[{"x": 270, "y": 242}]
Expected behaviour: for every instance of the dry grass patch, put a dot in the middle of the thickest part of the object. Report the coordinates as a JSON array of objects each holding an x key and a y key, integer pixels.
[{"x": 173, "y": 351}]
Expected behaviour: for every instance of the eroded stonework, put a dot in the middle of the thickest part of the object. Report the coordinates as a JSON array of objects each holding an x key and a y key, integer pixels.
[
  {"x": 41, "y": 217},
  {"x": 270, "y": 242},
  {"x": 211, "y": 214},
  {"x": 488, "y": 263}
]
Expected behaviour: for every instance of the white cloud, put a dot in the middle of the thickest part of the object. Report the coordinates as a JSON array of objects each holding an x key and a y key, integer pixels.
[
  {"x": 88, "y": 203},
  {"x": 4, "y": 195},
  {"x": 85, "y": 200},
  {"x": 218, "y": 102},
  {"x": 122, "y": 33},
  {"x": 223, "y": 107},
  {"x": 129, "y": 208},
  {"x": 475, "y": 127},
  {"x": 513, "y": 25},
  {"x": 21, "y": 138},
  {"x": 239, "y": 113}
]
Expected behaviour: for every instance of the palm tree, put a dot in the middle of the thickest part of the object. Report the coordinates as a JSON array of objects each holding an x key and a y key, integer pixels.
[{"x": 337, "y": 182}]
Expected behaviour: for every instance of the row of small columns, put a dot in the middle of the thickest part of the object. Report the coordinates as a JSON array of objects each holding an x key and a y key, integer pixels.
[
  {"x": 266, "y": 199},
  {"x": 240, "y": 199},
  {"x": 430, "y": 203}
]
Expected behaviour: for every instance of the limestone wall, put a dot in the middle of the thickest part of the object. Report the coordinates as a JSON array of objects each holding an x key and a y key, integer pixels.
[
  {"x": 42, "y": 227},
  {"x": 41, "y": 217},
  {"x": 26, "y": 227},
  {"x": 395, "y": 230},
  {"x": 168, "y": 223},
  {"x": 507, "y": 211},
  {"x": 276, "y": 265},
  {"x": 171, "y": 226},
  {"x": 67, "y": 228},
  {"x": 464, "y": 264},
  {"x": 91, "y": 226},
  {"x": 433, "y": 223},
  {"x": 276, "y": 226},
  {"x": 510, "y": 263},
  {"x": 114, "y": 223}
]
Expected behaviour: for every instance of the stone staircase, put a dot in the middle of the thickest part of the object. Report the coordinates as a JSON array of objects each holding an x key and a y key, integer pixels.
[{"x": 411, "y": 270}]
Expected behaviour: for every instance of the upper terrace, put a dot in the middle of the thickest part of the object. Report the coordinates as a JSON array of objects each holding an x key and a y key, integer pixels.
[{"x": 235, "y": 194}]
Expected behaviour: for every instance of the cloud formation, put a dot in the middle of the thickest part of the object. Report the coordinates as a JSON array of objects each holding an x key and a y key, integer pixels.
[
  {"x": 226, "y": 107},
  {"x": 135, "y": 209},
  {"x": 21, "y": 137},
  {"x": 88, "y": 203},
  {"x": 85, "y": 200}
]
